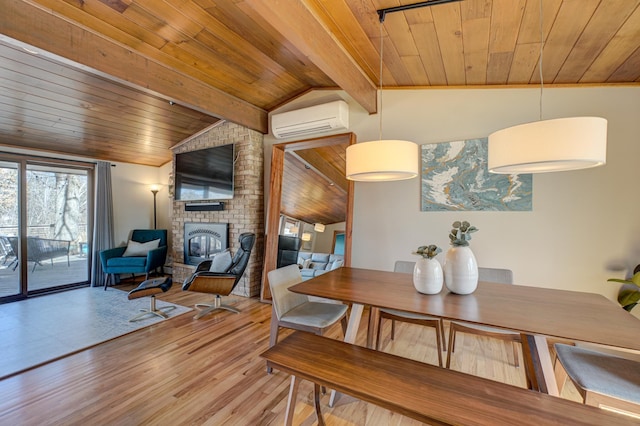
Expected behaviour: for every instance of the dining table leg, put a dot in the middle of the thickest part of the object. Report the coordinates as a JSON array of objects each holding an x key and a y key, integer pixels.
[
  {"x": 372, "y": 328},
  {"x": 354, "y": 323},
  {"x": 350, "y": 337},
  {"x": 538, "y": 364}
]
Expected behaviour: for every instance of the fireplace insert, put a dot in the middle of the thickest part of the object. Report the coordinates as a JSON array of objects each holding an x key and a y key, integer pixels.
[{"x": 203, "y": 240}]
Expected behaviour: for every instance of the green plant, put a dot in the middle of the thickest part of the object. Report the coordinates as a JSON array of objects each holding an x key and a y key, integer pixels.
[
  {"x": 629, "y": 294},
  {"x": 428, "y": 252},
  {"x": 460, "y": 234}
]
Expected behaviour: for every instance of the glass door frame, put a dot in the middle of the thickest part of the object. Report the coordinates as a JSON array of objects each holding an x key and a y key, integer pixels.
[{"x": 22, "y": 162}]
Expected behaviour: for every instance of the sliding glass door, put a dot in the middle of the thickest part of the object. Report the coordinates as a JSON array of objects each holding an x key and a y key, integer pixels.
[
  {"x": 9, "y": 233},
  {"x": 56, "y": 227},
  {"x": 44, "y": 227}
]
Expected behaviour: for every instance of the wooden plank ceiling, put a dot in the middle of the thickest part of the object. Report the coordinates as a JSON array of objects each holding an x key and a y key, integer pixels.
[
  {"x": 104, "y": 72},
  {"x": 50, "y": 106},
  {"x": 314, "y": 186},
  {"x": 239, "y": 59}
]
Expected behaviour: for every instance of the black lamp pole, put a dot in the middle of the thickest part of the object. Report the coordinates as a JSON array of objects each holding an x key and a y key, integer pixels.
[{"x": 155, "y": 192}]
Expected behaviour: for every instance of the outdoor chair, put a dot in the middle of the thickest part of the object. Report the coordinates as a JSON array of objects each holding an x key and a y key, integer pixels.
[{"x": 9, "y": 251}]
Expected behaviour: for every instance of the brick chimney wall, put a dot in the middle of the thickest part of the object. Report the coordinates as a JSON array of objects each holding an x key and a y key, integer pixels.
[{"x": 243, "y": 213}]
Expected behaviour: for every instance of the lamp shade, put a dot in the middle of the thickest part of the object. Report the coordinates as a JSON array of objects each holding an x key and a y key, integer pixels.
[
  {"x": 306, "y": 236},
  {"x": 318, "y": 227},
  {"x": 549, "y": 146},
  {"x": 384, "y": 160}
]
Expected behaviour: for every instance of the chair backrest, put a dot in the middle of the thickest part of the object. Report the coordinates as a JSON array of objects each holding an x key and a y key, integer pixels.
[
  {"x": 241, "y": 258},
  {"x": 13, "y": 241},
  {"x": 146, "y": 235},
  {"x": 279, "y": 282},
  {"x": 288, "y": 248},
  {"x": 495, "y": 275},
  {"x": 404, "y": 266}
]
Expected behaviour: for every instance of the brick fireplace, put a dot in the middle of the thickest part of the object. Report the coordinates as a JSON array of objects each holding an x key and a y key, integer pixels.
[{"x": 243, "y": 213}]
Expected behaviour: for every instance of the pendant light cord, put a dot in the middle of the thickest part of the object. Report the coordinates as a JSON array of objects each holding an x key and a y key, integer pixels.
[
  {"x": 380, "y": 83},
  {"x": 540, "y": 59}
]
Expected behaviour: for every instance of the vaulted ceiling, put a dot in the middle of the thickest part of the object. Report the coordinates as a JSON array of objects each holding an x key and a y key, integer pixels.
[{"x": 95, "y": 77}]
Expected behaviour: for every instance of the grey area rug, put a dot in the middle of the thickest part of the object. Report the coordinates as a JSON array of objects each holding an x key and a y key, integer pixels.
[{"x": 41, "y": 329}]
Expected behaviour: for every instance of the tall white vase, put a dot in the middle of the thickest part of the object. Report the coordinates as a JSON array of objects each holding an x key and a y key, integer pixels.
[
  {"x": 427, "y": 276},
  {"x": 460, "y": 270}
]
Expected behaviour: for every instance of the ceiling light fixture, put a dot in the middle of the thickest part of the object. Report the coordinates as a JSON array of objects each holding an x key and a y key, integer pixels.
[
  {"x": 382, "y": 160},
  {"x": 548, "y": 145},
  {"x": 385, "y": 160}
]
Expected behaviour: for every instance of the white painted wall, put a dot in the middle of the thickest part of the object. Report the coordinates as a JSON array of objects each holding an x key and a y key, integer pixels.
[
  {"x": 581, "y": 220},
  {"x": 133, "y": 200},
  {"x": 324, "y": 240}
]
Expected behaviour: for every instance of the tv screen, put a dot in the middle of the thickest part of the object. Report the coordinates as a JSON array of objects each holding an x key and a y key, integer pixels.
[{"x": 206, "y": 174}]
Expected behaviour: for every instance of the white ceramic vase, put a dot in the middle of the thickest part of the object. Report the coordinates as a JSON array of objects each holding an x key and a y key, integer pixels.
[
  {"x": 460, "y": 270},
  {"x": 427, "y": 276}
]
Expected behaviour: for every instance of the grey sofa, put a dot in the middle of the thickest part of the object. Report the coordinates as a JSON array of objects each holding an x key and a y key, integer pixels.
[{"x": 314, "y": 264}]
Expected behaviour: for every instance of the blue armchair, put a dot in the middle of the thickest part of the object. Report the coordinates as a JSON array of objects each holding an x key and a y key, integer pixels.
[{"x": 144, "y": 261}]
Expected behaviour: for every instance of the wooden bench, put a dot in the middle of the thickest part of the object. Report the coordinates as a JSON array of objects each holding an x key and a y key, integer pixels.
[{"x": 421, "y": 391}]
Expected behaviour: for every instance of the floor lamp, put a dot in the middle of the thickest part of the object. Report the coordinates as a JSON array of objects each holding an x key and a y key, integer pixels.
[{"x": 154, "y": 190}]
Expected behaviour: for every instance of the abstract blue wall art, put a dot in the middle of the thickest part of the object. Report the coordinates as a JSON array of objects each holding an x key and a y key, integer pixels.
[{"x": 454, "y": 176}]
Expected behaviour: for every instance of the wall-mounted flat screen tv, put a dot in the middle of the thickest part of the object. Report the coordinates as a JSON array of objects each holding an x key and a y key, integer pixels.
[{"x": 206, "y": 174}]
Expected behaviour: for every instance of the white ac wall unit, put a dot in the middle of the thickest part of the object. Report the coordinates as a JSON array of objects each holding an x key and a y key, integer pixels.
[{"x": 315, "y": 119}]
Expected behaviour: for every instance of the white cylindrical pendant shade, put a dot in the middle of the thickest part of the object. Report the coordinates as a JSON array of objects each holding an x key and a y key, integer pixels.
[
  {"x": 385, "y": 160},
  {"x": 549, "y": 146}
]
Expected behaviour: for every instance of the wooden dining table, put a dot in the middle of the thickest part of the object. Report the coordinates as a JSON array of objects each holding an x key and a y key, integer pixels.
[{"x": 537, "y": 313}]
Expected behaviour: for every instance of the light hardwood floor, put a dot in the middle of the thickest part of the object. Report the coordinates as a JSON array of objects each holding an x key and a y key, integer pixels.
[{"x": 208, "y": 371}]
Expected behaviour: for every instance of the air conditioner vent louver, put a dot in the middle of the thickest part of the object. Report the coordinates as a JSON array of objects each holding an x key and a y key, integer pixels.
[{"x": 315, "y": 119}]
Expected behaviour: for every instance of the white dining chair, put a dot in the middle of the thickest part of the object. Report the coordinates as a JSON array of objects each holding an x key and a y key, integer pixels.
[
  {"x": 408, "y": 317},
  {"x": 296, "y": 311},
  {"x": 494, "y": 275}
]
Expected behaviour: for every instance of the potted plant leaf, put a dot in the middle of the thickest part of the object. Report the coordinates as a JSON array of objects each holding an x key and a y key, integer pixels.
[{"x": 629, "y": 294}]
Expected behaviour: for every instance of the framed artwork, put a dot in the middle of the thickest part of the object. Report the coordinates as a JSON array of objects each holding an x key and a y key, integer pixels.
[{"x": 454, "y": 176}]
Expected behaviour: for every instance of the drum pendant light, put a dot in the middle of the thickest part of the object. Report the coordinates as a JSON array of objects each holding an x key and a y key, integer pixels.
[
  {"x": 382, "y": 160},
  {"x": 548, "y": 145}
]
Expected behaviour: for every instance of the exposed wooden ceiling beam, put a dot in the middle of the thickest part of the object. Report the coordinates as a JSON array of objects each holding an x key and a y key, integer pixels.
[
  {"x": 297, "y": 22},
  {"x": 41, "y": 28}
]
